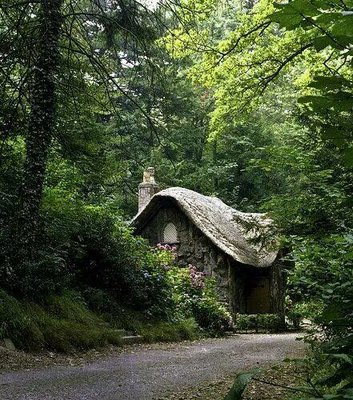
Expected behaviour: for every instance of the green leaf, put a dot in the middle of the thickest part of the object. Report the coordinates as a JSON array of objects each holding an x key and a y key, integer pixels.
[
  {"x": 339, "y": 142},
  {"x": 295, "y": 14},
  {"x": 287, "y": 20},
  {"x": 240, "y": 384},
  {"x": 341, "y": 41},
  {"x": 343, "y": 26},
  {"x": 332, "y": 312},
  {"x": 348, "y": 157},
  {"x": 342, "y": 357},
  {"x": 341, "y": 101},
  {"x": 319, "y": 101},
  {"x": 303, "y": 7},
  {"x": 330, "y": 82},
  {"x": 330, "y": 131},
  {"x": 327, "y": 18},
  {"x": 322, "y": 42}
]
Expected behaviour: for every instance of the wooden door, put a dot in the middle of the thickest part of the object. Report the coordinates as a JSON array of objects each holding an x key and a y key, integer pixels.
[{"x": 257, "y": 295}]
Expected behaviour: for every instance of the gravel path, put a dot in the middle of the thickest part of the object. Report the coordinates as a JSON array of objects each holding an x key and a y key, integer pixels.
[{"x": 149, "y": 372}]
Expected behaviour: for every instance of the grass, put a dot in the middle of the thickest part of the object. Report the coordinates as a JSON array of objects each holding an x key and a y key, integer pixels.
[
  {"x": 151, "y": 329},
  {"x": 62, "y": 323},
  {"x": 170, "y": 331},
  {"x": 66, "y": 324}
]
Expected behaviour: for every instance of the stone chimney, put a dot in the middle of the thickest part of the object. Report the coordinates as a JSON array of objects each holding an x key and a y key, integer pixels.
[{"x": 147, "y": 188}]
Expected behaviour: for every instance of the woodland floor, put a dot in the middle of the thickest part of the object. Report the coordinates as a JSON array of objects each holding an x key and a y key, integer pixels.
[{"x": 189, "y": 370}]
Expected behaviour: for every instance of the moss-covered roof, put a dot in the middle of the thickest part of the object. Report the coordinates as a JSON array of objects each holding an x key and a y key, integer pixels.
[{"x": 246, "y": 237}]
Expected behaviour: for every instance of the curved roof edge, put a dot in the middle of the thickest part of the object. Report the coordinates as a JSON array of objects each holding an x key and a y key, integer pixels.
[{"x": 246, "y": 237}]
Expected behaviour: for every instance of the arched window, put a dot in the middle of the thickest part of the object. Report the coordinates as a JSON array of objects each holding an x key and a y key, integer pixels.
[{"x": 170, "y": 234}]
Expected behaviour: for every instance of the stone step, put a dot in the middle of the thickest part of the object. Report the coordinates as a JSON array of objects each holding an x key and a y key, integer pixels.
[
  {"x": 124, "y": 332},
  {"x": 132, "y": 339},
  {"x": 7, "y": 344},
  {"x": 128, "y": 337},
  {"x": 121, "y": 332}
]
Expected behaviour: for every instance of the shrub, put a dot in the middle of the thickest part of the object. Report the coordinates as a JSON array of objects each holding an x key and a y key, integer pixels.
[
  {"x": 103, "y": 254},
  {"x": 211, "y": 316},
  {"x": 195, "y": 296},
  {"x": 298, "y": 311},
  {"x": 170, "y": 331},
  {"x": 100, "y": 301},
  {"x": 35, "y": 279},
  {"x": 257, "y": 322},
  {"x": 62, "y": 324},
  {"x": 153, "y": 290},
  {"x": 18, "y": 325},
  {"x": 107, "y": 256}
]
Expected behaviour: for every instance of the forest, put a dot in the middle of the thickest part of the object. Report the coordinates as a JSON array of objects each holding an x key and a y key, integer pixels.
[{"x": 250, "y": 101}]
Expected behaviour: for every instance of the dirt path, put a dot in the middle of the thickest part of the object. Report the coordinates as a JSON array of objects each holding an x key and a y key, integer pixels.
[{"x": 149, "y": 372}]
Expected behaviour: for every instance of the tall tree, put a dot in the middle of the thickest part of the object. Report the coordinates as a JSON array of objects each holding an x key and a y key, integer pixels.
[
  {"x": 41, "y": 126},
  {"x": 65, "y": 72},
  {"x": 63, "y": 53}
]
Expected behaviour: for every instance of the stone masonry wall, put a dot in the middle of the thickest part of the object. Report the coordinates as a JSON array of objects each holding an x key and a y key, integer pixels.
[
  {"x": 193, "y": 247},
  {"x": 235, "y": 282}
]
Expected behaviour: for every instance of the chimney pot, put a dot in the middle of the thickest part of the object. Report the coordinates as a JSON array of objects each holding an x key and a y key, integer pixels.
[{"x": 147, "y": 188}]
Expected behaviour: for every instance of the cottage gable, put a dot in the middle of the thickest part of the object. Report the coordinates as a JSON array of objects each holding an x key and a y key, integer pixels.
[
  {"x": 236, "y": 248},
  {"x": 242, "y": 236}
]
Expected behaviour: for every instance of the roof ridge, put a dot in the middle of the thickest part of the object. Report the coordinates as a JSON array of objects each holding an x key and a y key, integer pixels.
[{"x": 238, "y": 234}]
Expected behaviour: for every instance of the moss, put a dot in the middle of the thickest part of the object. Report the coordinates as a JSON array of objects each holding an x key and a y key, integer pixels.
[
  {"x": 170, "y": 331},
  {"x": 71, "y": 307},
  {"x": 62, "y": 323},
  {"x": 65, "y": 324},
  {"x": 18, "y": 325},
  {"x": 259, "y": 322}
]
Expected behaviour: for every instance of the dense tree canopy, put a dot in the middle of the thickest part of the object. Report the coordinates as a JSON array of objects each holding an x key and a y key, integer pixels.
[
  {"x": 250, "y": 101},
  {"x": 288, "y": 67}
]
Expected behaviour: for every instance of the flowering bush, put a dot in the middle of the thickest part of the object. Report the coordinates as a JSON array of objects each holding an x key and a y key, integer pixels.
[
  {"x": 212, "y": 316},
  {"x": 197, "y": 278},
  {"x": 182, "y": 292},
  {"x": 165, "y": 255},
  {"x": 195, "y": 296}
]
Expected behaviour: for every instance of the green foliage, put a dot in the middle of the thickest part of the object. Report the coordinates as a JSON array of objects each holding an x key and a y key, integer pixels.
[
  {"x": 186, "y": 329},
  {"x": 16, "y": 325},
  {"x": 212, "y": 316},
  {"x": 195, "y": 296},
  {"x": 115, "y": 260},
  {"x": 63, "y": 324},
  {"x": 330, "y": 375},
  {"x": 144, "y": 323},
  {"x": 319, "y": 263},
  {"x": 259, "y": 322},
  {"x": 241, "y": 134},
  {"x": 239, "y": 385},
  {"x": 37, "y": 277},
  {"x": 332, "y": 98},
  {"x": 104, "y": 304},
  {"x": 84, "y": 155},
  {"x": 306, "y": 309},
  {"x": 324, "y": 261}
]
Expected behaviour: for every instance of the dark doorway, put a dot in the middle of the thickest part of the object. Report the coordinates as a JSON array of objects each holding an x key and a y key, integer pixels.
[{"x": 257, "y": 295}]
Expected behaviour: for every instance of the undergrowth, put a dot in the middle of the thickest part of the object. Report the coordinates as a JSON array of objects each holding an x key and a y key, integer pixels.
[
  {"x": 170, "y": 331},
  {"x": 66, "y": 324},
  {"x": 61, "y": 323},
  {"x": 152, "y": 329}
]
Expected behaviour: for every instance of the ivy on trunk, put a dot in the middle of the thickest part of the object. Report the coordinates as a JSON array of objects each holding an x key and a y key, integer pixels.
[{"x": 41, "y": 125}]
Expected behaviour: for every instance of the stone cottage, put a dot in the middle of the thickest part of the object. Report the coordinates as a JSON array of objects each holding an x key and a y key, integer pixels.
[{"x": 234, "y": 247}]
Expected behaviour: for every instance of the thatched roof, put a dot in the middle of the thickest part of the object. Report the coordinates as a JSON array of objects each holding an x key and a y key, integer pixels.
[{"x": 243, "y": 236}]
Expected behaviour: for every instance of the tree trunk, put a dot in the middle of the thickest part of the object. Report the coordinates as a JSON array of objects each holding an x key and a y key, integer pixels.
[{"x": 42, "y": 118}]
